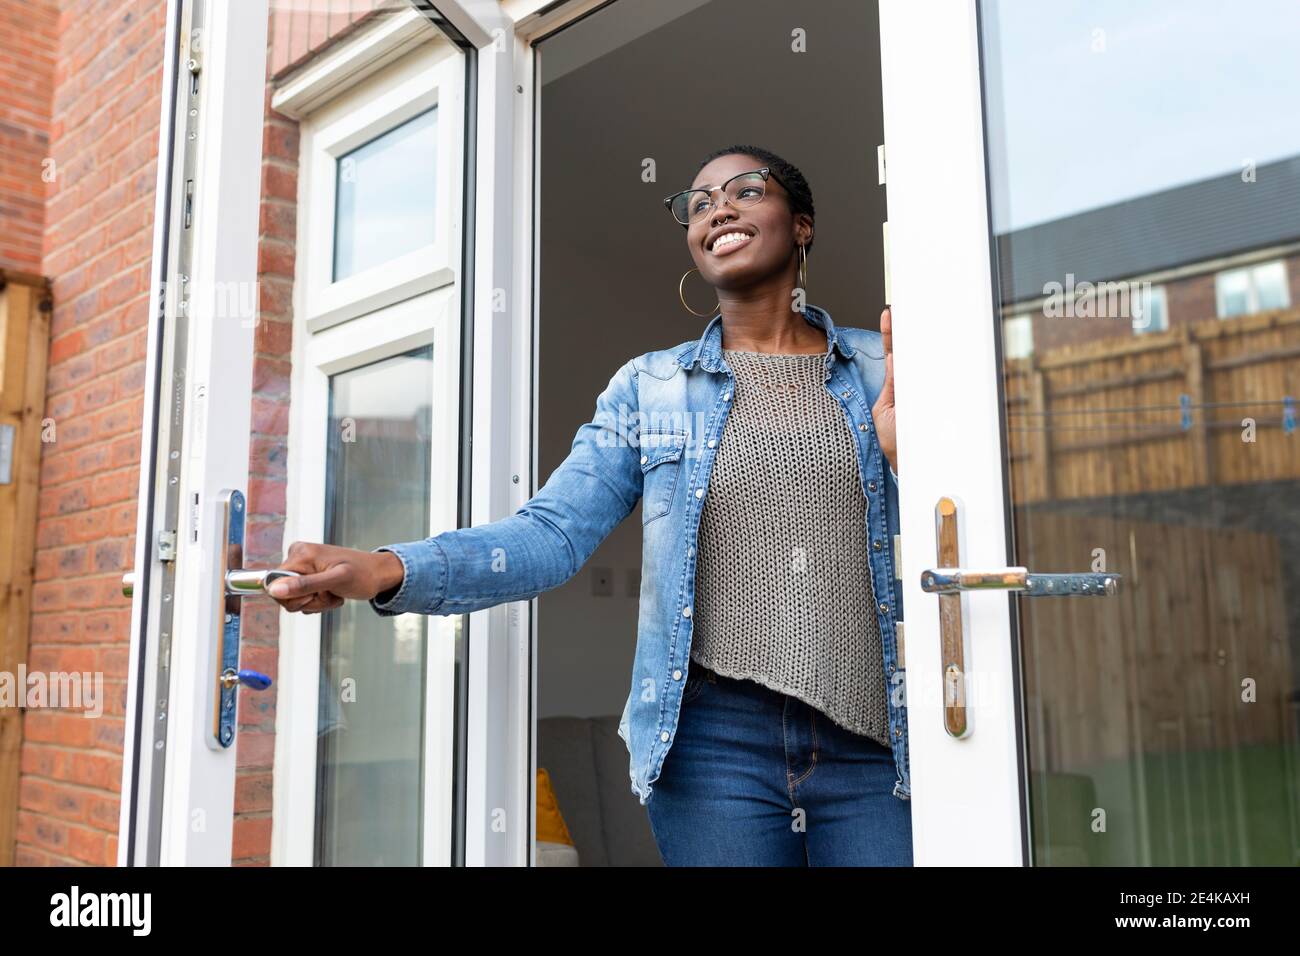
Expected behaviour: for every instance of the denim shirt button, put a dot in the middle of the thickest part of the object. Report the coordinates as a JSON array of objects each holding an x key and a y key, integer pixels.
[
  {"x": 712, "y": 442},
  {"x": 644, "y": 459},
  {"x": 686, "y": 611},
  {"x": 871, "y": 486},
  {"x": 875, "y": 545},
  {"x": 699, "y": 492},
  {"x": 846, "y": 393},
  {"x": 862, "y": 426},
  {"x": 884, "y": 608},
  {"x": 664, "y": 736},
  {"x": 677, "y": 675},
  {"x": 726, "y": 396},
  {"x": 690, "y": 551}
]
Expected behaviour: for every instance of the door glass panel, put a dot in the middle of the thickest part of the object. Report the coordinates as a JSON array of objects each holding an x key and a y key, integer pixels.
[
  {"x": 1130, "y": 148},
  {"x": 384, "y": 197},
  {"x": 370, "y": 740}
]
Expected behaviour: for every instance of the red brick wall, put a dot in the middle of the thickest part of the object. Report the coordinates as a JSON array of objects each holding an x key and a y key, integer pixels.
[
  {"x": 96, "y": 248},
  {"x": 1191, "y": 300},
  {"x": 302, "y": 28},
  {"x": 28, "y": 44}
]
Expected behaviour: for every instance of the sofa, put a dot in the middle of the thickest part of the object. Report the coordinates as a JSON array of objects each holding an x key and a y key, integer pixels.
[{"x": 587, "y": 763}]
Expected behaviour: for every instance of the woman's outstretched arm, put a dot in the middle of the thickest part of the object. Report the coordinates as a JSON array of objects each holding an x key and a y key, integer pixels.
[{"x": 539, "y": 547}]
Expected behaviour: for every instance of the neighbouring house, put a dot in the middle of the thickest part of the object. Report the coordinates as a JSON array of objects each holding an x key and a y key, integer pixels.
[{"x": 1160, "y": 267}]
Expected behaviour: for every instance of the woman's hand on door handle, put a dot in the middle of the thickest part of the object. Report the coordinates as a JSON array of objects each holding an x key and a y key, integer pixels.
[
  {"x": 329, "y": 575},
  {"x": 882, "y": 413}
]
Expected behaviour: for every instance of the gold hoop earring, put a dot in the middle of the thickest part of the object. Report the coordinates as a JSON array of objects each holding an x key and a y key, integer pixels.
[
  {"x": 803, "y": 267},
  {"x": 681, "y": 294}
]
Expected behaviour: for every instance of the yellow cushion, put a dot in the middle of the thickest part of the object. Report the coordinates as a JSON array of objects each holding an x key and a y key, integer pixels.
[{"x": 550, "y": 824}]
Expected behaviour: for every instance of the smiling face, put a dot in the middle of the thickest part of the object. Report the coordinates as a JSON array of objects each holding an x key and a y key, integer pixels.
[{"x": 736, "y": 248}]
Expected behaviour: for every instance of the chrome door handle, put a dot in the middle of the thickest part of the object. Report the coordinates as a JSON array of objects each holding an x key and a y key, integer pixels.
[
  {"x": 955, "y": 580},
  {"x": 241, "y": 581},
  {"x": 244, "y": 581},
  {"x": 950, "y": 582}
]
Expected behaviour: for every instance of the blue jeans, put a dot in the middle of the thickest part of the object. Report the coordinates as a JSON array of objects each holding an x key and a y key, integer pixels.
[{"x": 760, "y": 778}]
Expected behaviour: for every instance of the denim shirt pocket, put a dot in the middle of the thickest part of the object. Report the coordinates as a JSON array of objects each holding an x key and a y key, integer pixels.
[{"x": 661, "y": 453}]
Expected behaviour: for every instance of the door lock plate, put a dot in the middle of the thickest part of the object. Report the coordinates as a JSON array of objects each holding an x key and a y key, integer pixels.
[{"x": 952, "y": 624}]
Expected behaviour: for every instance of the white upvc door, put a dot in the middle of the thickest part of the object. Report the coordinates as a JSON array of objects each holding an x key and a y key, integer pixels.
[
  {"x": 1076, "y": 398},
  {"x": 178, "y": 777},
  {"x": 179, "y": 772},
  {"x": 966, "y": 793}
]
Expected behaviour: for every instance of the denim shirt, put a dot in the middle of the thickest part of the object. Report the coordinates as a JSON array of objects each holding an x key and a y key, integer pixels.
[{"x": 653, "y": 438}]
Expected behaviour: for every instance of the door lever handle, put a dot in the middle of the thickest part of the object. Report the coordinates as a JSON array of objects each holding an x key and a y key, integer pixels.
[
  {"x": 950, "y": 582},
  {"x": 240, "y": 581},
  {"x": 956, "y": 580},
  {"x": 254, "y": 580}
]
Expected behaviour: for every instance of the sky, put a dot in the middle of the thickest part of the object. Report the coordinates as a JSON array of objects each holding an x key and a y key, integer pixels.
[{"x": 1095, "y": 101}]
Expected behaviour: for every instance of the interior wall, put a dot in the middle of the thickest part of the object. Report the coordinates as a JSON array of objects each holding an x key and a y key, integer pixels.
[{"x": 610, "y": 255}]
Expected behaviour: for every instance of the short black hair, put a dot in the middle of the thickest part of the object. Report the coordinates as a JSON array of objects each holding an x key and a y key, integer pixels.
[{"x": 801, "y": 198}]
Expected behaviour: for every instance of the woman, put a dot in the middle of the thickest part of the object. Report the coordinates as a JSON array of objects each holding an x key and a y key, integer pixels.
[{"x": 766, "y": 657}]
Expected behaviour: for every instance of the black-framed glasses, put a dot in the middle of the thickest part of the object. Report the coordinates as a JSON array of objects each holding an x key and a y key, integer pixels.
[{"x": 743, "y": 189}]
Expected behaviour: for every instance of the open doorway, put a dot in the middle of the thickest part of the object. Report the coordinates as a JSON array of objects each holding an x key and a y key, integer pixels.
[{"x": 631, "y": 98}]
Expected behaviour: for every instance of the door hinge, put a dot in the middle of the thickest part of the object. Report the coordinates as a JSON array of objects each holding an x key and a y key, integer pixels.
[{"x": 880, "y": 163}]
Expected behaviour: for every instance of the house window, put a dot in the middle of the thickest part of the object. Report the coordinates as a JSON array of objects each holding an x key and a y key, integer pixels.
[
  {"x": 1018, "y": 335},
  {"x": 1150, "y": 310},
  {"x": 380, "y": 168},
  {"x": 1257, "y": 288},
  {"x": 384, "y": 205}
]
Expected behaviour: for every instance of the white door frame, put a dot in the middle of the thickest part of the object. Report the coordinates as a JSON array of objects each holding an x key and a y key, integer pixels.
[
  {"x": 502, "y": 748},
  {"x": 213, "y": 224},
  {"x": 498, "y": 791},
  {"x": 968, "y": 795}
]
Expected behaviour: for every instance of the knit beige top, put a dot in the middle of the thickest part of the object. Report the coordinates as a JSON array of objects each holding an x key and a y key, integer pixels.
[{"x": 783, "y": 592}]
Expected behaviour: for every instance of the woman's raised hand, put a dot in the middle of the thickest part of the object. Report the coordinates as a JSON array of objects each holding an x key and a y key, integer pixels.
[{"x": 882, "y": 413}]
